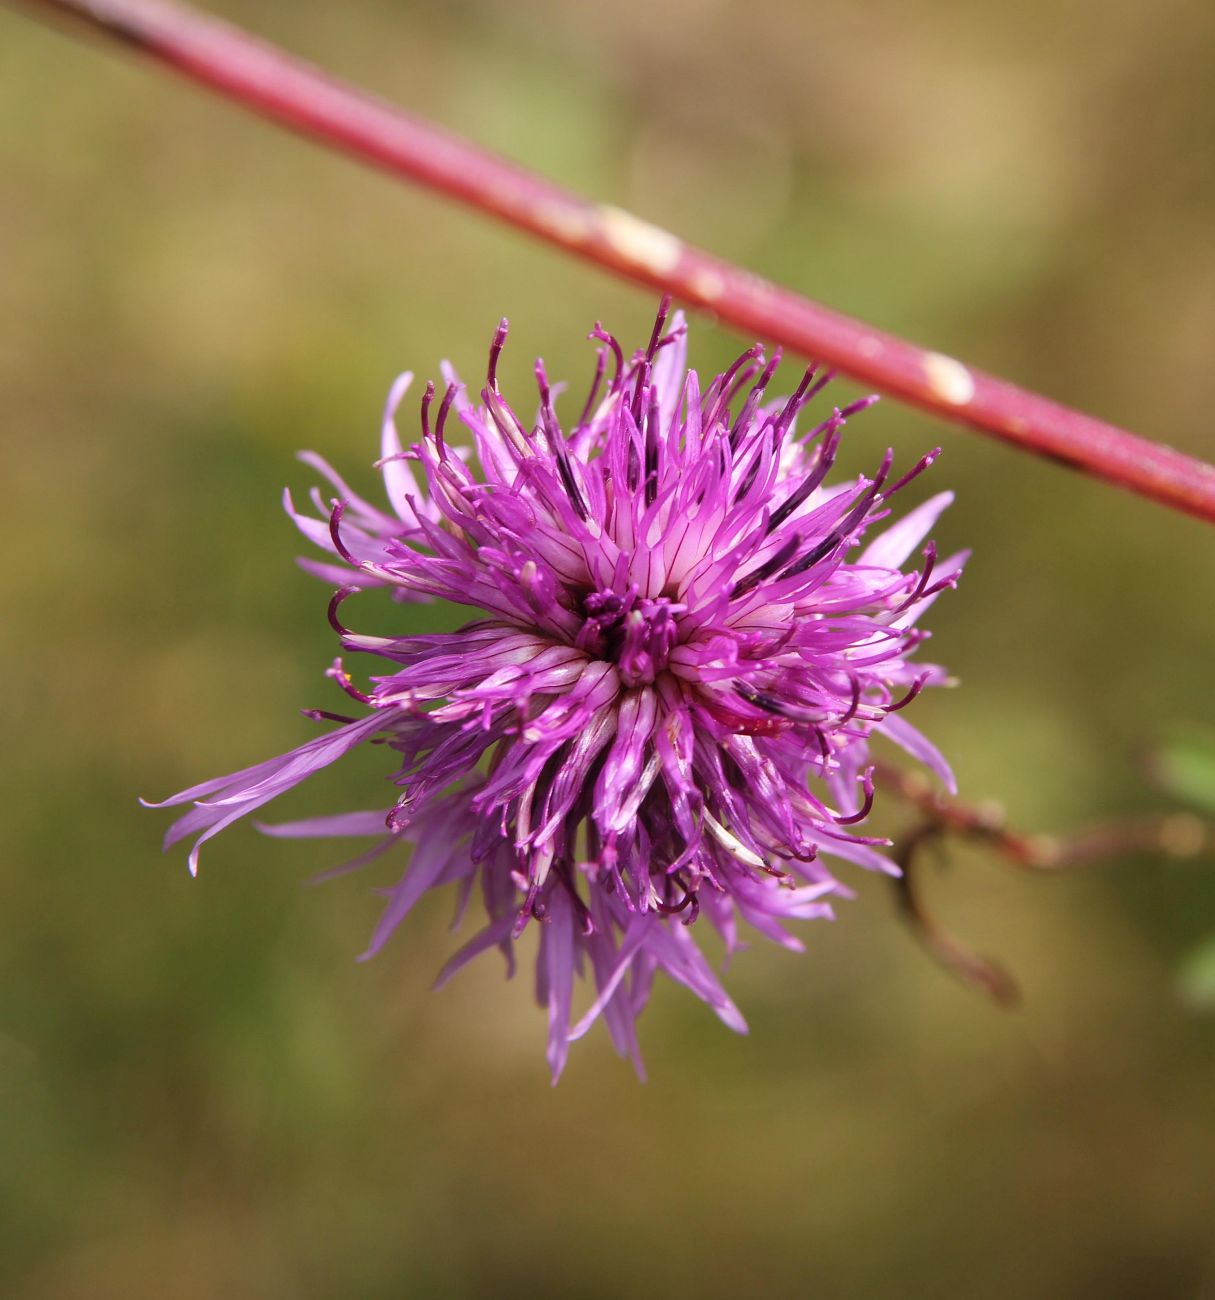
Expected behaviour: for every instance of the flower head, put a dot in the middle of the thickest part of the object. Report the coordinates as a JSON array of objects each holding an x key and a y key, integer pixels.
[{"x": 662, "y": 714}]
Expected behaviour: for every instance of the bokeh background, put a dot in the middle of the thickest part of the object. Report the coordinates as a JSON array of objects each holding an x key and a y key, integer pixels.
[{"x": 201, "y": 1093}]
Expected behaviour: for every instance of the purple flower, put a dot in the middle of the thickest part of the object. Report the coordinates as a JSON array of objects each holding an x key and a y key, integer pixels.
[{"x": 662, "y": 713}]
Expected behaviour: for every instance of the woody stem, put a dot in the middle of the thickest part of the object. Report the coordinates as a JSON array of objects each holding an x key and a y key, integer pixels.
[{"x": 266, "y": 80}]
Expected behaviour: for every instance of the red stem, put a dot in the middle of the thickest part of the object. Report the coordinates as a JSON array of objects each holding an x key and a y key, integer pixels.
[{"x": 301, "y": 97}]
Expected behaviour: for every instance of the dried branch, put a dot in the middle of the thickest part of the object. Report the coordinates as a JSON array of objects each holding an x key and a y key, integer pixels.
[
  {"x": 1174, "y": 835},
  {"x": 979, "y": 972}
]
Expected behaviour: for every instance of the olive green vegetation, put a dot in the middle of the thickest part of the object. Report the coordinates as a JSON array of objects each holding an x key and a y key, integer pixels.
[{"x": 201, "y": 1093}]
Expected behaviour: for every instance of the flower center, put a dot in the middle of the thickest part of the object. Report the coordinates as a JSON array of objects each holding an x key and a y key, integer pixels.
[{"x": 633, "y": 632}]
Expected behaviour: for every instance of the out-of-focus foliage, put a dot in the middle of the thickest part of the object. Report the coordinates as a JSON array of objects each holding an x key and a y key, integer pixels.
[
  {"x": 201, "y": 1093},
  {"x": 1185, "y": 767},
  {"x": 1198, "y": 975}
]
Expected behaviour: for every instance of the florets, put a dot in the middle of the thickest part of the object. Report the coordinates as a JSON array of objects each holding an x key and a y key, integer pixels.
[{"x": 662, "y": 714}]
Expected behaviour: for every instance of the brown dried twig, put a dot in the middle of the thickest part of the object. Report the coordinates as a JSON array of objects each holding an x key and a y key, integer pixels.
[{"x": 1174, "y": 835}]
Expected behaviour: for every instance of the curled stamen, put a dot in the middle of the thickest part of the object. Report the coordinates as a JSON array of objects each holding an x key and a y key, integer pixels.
[
  {"x": 427, "y": 397},
  {"x": 819, "y": 384},
  {"x": 531, "y": 909},
  {"x": 779, "y": 874},
  {"x": 916, "y": 687},
  {"x": 854, "y": 703},
  {"x": 444, "y": 409},
  {"x": 721, "y": 389},
  {"x": 883, "y": 472},
  {"x": 651, "y": 449},
  {"x": 673, "y": 909},
  {"x": 839, "y": 417},
  {"x": 339, "y": 674},
  {"x": 866, "y": 806},
  {"x": 797, "y": 399},
  {"x": 643, "y": 369},
  {"x": 617, "y": 352},
  {"x": 323, "y": 715},
  {"x": 746, "y": 415},
  {"x": 335, "y": 603},
  {"x": 495, "y": 351},
  {"x": 556, "y": 444},
  {"x": 546, "y": 392},
  {"x": 600, "y": 368},
  {"x": 918, "y": 591},
  {"x": 337, "y": 510},
  {"x": 667, "y": 339},
  {"x": 664, "y": 308},
  {"x": 914, "y": 472},
  {"x": 861, "y": 404}
]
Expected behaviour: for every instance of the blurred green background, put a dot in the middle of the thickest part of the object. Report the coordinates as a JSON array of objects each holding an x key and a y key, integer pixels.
[{"x": 201, "y": 1093}]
